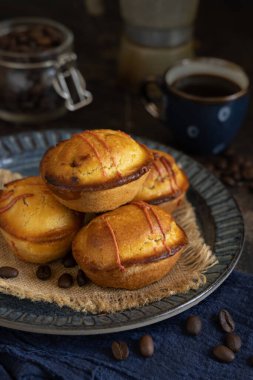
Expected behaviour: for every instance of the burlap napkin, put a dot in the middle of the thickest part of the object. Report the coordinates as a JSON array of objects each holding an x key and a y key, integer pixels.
[{"x": 187, "y": 274}]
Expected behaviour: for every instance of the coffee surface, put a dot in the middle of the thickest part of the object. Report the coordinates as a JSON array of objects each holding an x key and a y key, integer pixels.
[{"x": 206, "y": 86}]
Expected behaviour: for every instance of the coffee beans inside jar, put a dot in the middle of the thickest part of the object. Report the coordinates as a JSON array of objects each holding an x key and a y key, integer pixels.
[
  {"x": 26, "y": 78},
  {"x": 39, "y": 78},
  {"x": 31, "y": 39}
]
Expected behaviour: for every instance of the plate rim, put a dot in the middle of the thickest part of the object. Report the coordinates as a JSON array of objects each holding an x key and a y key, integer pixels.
[{"x": 95, "y": 330}]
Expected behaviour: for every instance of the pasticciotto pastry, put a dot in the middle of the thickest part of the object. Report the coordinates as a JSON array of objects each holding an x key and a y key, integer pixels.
[
  {"x": 37, "y": 228},
  {"x": 166, "y": 183},
  {"x": 130, "y": 247},
  {"x": 96, "y": 171}
]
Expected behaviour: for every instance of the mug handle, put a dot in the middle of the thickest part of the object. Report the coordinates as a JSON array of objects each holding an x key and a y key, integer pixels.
[{"x": 152, "y": 104}]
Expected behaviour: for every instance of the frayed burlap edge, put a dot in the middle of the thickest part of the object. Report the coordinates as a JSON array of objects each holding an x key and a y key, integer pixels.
[{"x": 189, "y": 273}]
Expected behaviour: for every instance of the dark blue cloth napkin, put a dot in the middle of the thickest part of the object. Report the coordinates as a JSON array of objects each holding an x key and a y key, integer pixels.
[{"x": 177, "y": 356}]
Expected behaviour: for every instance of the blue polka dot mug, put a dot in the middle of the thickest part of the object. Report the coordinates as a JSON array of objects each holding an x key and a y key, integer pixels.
[{"x": 204, "y": 102}]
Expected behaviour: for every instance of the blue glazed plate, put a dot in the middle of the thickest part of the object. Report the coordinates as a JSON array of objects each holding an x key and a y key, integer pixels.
[{"x": 218, "y": 217}]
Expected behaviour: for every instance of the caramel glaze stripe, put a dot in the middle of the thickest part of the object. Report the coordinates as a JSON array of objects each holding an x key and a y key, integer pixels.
[
  {"x": 161, "y": 229},
  {"x": 14, "y": 200},
  {"x": 157, "y": 169},
  {"x": 121, "y": 267},
  {"x": 107, "y": 148},
  {"x": 145, "y": 209},
  {"x": 170, "y": 172},
  {"x": 142, "y": 206},
  {"x": 7, "y": 195},
  {"x": 94, "y": 150}
]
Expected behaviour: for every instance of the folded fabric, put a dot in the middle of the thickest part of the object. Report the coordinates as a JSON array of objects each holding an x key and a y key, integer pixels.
[{"x": 177, "y": 355}]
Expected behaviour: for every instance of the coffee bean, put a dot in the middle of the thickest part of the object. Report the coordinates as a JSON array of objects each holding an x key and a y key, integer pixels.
[
  {"x": 120, "y": 350},
  {"x": 250, "y": 187},
  {"x": 43, "y": 272},
  {"x": 65, "y": 281},
  {"x": 209, "y": 166},
  {"x": 230, "y": 152},
  {"x": 234, "y": 167},
  {"x": 226, "y": 321},
  {"x": 223, "y": 354},
  {"x": 248, "y": 173},
  {"x": 233, "y": 342},
  {"x": 81, "y": 278},
  {"x": 146, "y": 345},
  {"x": 229, "y": 181},
  {"x": 8, "y": 272},
  {"x": 221, "y": 163},
  {"x": 193, "y": 325},
  {"x": 68, "y": 261},
  {"x": 237, "y": 176},
  {"x": 250, "y": 361}
]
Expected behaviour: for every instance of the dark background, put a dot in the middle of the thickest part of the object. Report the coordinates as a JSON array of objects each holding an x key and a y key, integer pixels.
[{"x": 223, "y": 28}]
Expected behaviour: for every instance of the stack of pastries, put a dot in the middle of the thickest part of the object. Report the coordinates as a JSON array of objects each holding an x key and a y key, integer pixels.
[{"x": 132, "y": 242}]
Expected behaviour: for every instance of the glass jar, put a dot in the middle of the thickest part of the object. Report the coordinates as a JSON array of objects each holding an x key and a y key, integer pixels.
[{"x": 39, "y": 79}]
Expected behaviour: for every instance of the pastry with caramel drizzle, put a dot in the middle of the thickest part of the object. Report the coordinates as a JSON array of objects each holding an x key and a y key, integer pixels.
[
  {"x": 96, "y": 171},
  {"x": 37, "y": 228},
  {"x": 166, "y": 183},
  {"x": 130, "y": 247}
]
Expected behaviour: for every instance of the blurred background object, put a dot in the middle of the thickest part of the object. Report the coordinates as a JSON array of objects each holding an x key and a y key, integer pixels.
[
  {"x": 39, "y": 79},
  {"x": 156, "y": 35}
]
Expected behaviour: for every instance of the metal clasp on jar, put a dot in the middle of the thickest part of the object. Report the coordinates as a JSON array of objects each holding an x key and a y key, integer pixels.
[{"x": 68, "y": 75}]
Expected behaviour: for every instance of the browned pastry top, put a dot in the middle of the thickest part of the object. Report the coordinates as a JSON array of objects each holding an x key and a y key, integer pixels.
[
  {"x": 95, "y": 160},
  {"x": 165, "y": 181},
  {"x": 30, "y": 212},
  {"x": 137, "y": 233}
]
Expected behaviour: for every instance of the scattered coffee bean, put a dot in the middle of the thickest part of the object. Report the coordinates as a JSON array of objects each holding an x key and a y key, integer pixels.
[
  {"x": 223, "y": 354},
  {"x": 65, "y": 281},
  {"x": 226, "y": 321},
  {"x": 248, "y": 173},
  {"x": 221, "y": 163},
  {"x": 68, "y": 261},
  {"x": 193, "y": 325},
  {"x": 250, "y": 361},
  {"x": 81, "y": 278},
  {"x": 120, "y": 350},
  {"x": 233, "y": 342},
  {"x": 146, "y": 345},
  {"x": 251, "y": 187},
  {"x": 8, "y": 272},
  {"x": 229, "y": 181},
  {"x": 43, "y": 272}
]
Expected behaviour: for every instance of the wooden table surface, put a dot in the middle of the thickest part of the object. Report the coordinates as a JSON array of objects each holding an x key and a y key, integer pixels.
[{"x": 223, "y": 29}]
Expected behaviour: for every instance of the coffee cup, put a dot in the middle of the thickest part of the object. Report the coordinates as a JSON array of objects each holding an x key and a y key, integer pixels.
[{"x": 204, "y": 102}]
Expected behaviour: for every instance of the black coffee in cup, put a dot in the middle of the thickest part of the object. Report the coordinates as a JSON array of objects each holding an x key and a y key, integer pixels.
[
  {"x": 204, "y": 102},
  {"x": 206, "y": 86}
]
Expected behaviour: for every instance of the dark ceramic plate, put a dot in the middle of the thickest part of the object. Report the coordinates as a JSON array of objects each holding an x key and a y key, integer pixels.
[{"x": 218, "y": 216}]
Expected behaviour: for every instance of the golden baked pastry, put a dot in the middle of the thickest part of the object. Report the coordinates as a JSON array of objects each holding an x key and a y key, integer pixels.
[
  {"x": 97, "y": 170},
  {"x": 165, "y": 185},
  {"x": 37, "y": 228},
  {"x": 129, "y": 247}
]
